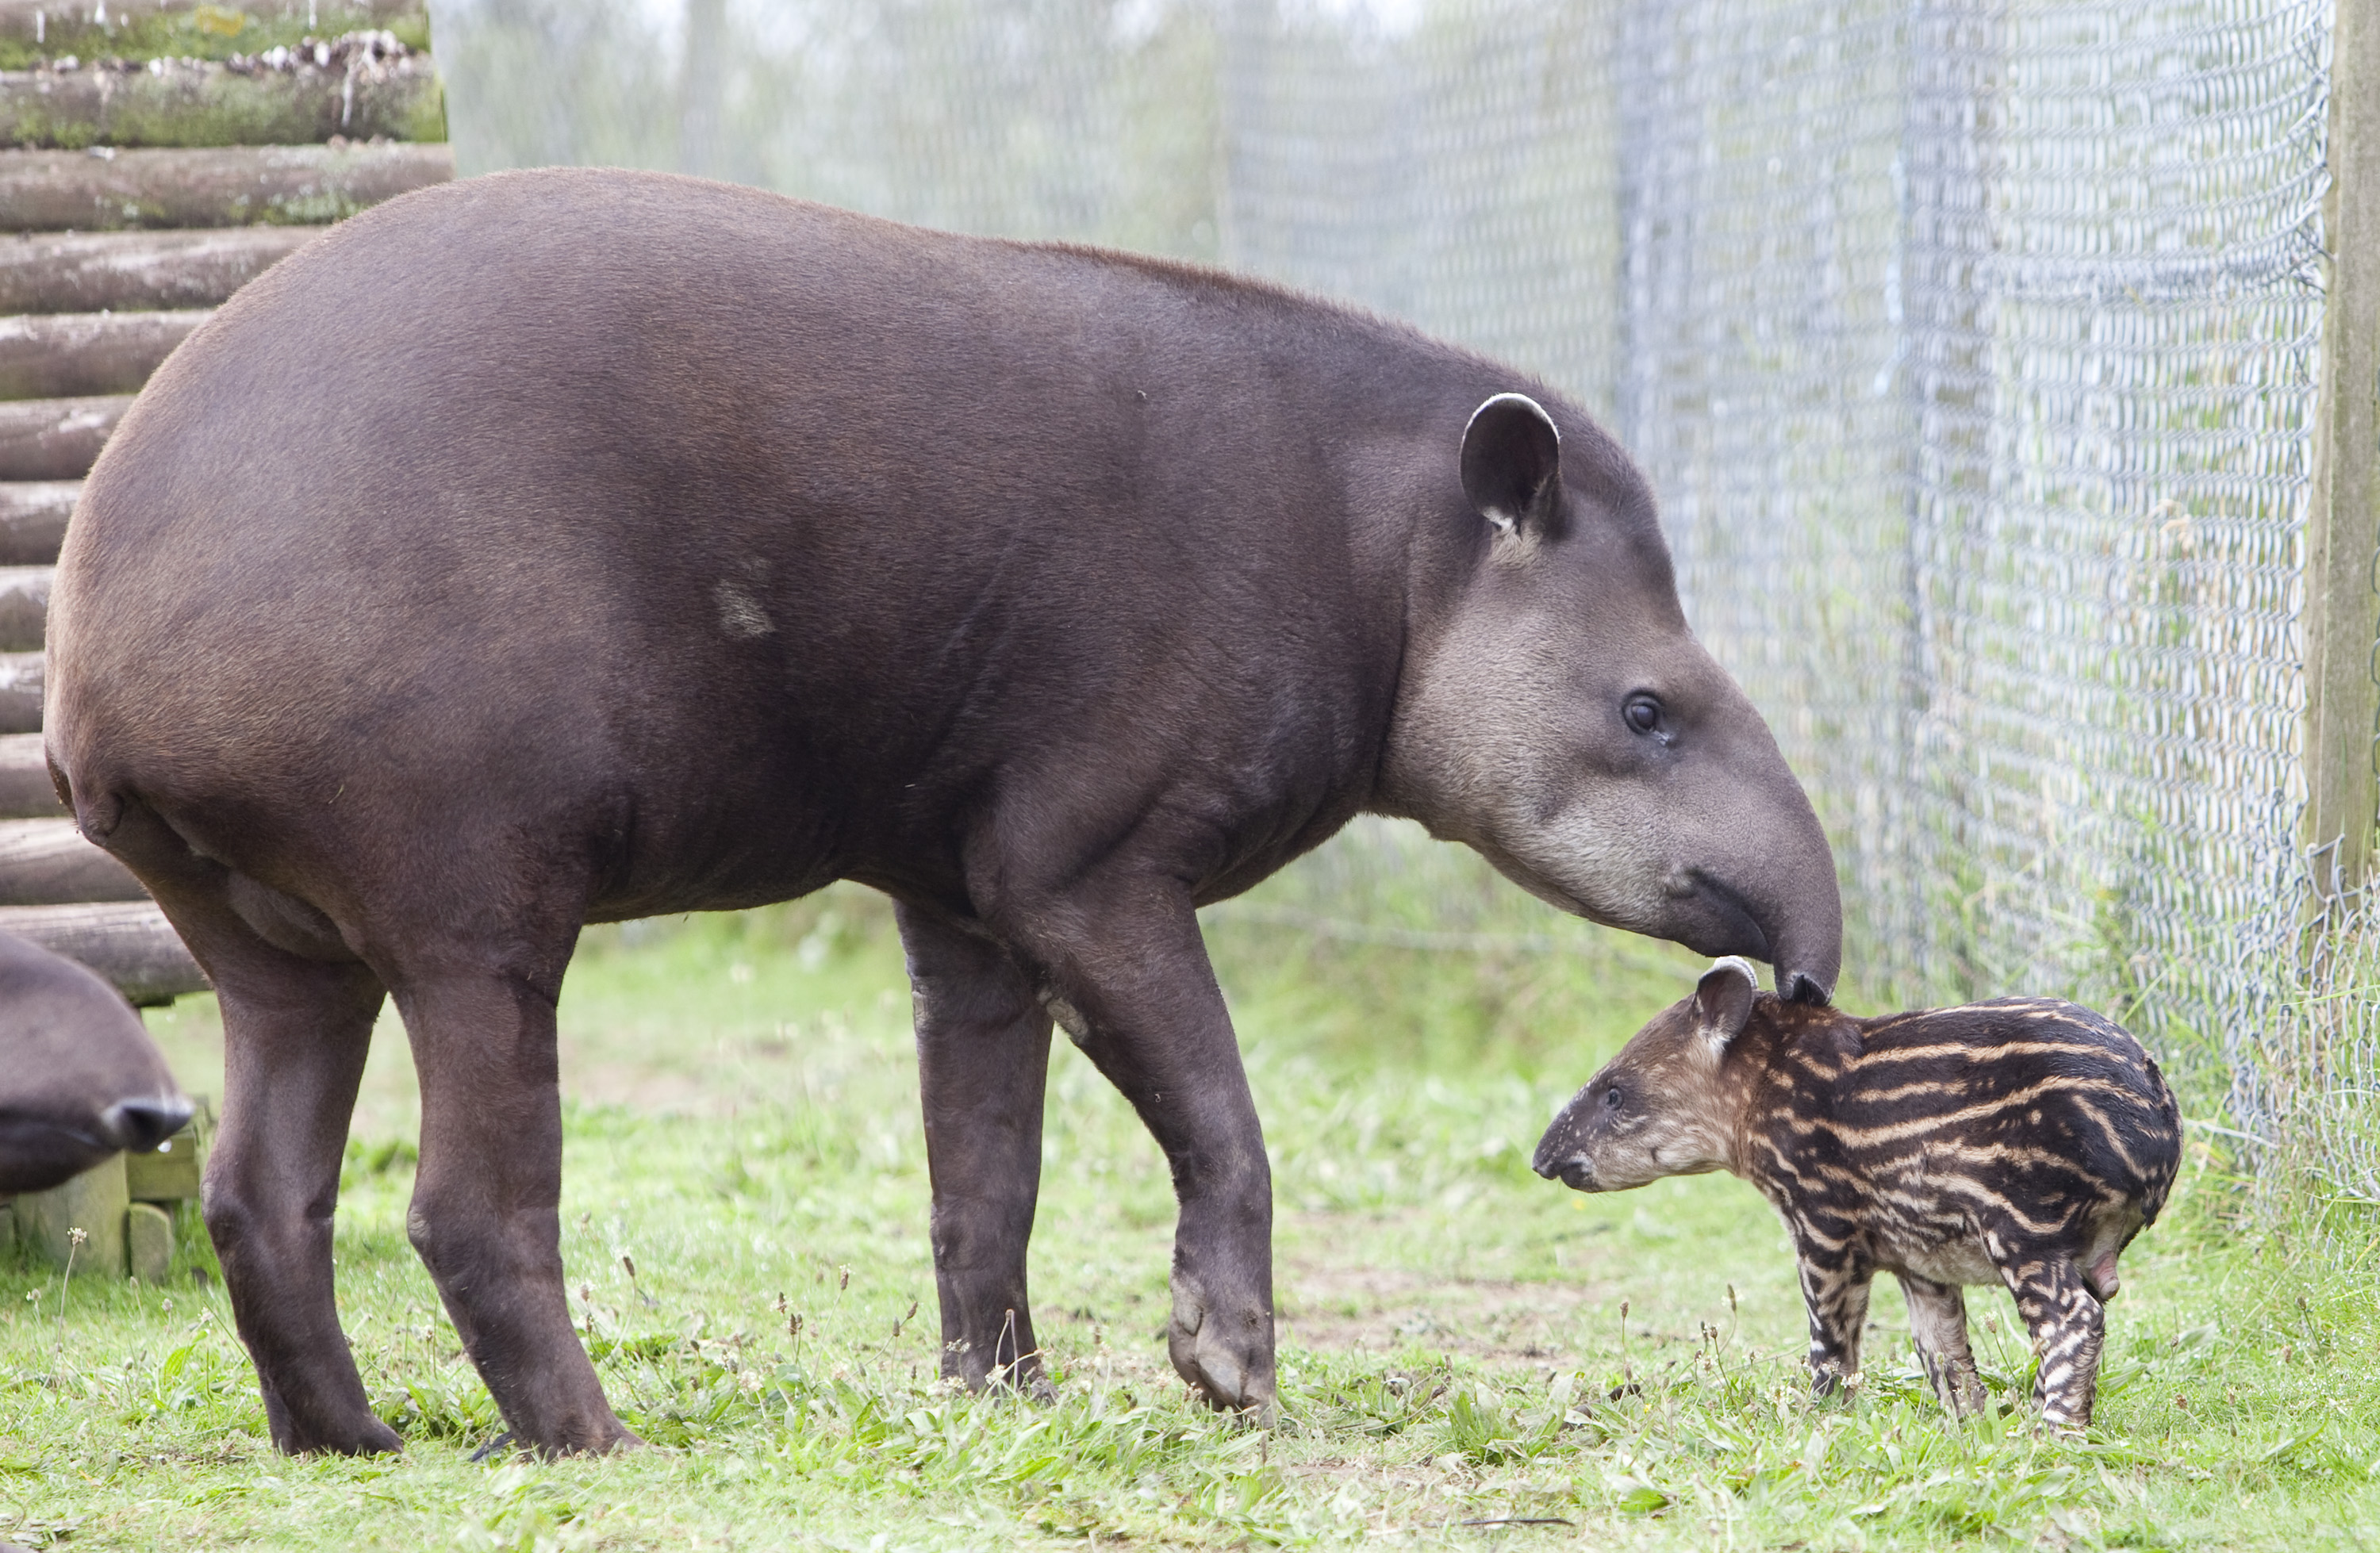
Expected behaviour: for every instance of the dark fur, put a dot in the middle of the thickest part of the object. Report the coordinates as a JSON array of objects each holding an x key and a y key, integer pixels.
[
  {"x": 636, "y": 545},
  {"x": 2024, "y": 1141},
  {"x": 79, "y": 1079}
]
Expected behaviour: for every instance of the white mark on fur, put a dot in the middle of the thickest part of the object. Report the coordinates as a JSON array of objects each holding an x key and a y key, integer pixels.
[{"x": 740, "y": 614}]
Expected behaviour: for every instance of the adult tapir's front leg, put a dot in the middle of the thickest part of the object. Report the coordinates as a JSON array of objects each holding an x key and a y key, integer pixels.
[
  {"x": 1127, "y": 957},
  {"x": 983, "y": 1064}
]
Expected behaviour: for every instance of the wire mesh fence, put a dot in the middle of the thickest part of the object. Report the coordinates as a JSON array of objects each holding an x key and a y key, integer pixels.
[{"x": 1971, "y": 346}]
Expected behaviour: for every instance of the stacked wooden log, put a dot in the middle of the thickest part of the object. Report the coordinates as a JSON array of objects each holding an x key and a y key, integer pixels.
[{"x": 111, "y": 253}]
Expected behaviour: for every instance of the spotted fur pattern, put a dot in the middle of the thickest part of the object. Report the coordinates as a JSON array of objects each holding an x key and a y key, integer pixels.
[{"x": 2022, "y": 1141}]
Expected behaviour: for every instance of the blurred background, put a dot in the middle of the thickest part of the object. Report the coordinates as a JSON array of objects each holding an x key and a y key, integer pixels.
[{"x": 1971, "y": 347}]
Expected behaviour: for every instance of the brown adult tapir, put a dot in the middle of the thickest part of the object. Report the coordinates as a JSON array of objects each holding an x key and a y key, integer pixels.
[
  {"x": 568, "y": 546},
  {"x": 79, "y": 1078}
]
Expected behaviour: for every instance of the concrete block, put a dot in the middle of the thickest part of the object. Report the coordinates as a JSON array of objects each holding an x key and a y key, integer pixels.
[
  {"x": 94, "y": 1202},
  {"x": 149, "y": 1241},
  {"x": 171, "y": 1173}
]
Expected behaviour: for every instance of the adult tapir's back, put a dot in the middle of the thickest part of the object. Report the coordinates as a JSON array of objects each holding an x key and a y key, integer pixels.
[{"x": 731, "y": 518}]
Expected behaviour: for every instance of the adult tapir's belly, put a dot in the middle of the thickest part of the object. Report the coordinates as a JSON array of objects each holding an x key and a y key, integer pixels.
[{"x": 740, "y": 566}]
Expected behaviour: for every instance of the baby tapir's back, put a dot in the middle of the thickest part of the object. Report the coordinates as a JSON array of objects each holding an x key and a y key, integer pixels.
[{"x": 2026, "y": 1121}]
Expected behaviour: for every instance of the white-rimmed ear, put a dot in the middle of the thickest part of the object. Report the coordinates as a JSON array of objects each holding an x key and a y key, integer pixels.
[
  {"x": 1512, "y": 464},
  {"x": 1723, "y": 1001}
]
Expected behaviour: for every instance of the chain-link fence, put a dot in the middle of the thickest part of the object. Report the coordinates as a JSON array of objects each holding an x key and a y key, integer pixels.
[{"x": 1971, "y": 346}]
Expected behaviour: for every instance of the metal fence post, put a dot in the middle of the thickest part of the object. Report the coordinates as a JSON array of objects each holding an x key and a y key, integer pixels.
[{"x": 2342, "y": 602}]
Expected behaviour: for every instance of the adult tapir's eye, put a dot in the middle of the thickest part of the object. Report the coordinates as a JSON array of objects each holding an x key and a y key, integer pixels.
[
  {"x": 1611, "y": 1099},
  {"x": 1643, "y": 712}
]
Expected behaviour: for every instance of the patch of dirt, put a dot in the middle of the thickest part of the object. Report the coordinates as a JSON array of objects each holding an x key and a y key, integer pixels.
[{"x": 1330, "y": 1300}]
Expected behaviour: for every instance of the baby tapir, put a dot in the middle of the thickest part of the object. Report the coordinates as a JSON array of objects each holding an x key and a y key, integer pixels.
[{"x": 2024, "y": 1141}]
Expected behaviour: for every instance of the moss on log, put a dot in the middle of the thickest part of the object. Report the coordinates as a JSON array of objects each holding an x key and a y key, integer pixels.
[
  {"x": 49, "y": 191},
  {"x": 56, "y": 439},
  {"x": 122, "y": 271},
  {"x": 54, "y": 356},
  {"x": 146, "y": 29},
  {"x": 33, "y": 519},
  {"x": 344, "y": 89}
]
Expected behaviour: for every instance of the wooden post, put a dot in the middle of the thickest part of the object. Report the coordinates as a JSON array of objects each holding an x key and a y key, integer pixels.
[
  {"x": 2343, "y": 518},
  {"x": 93, "y": 272},
  {"x": 26, "y": 790},
  {"x": 58, "y": 356},
  {"x": 234, "y": 185},
  {"x": 47, "y": 863},
  {"x": 129, "y": 943},
  {"x": 56, "y": 439}
]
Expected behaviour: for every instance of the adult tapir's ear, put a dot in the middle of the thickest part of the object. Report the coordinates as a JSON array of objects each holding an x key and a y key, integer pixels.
[
  {"x": 1723, "y": 1001},
  {"x": 1512, "y": 464}
]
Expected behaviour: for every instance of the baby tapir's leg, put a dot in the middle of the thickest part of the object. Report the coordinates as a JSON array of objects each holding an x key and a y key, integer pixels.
[
  {"x": 1837, "y": 1298},
  {"x": 2068, "y": 1326},
  {"x": 1937, "y": 1319}
]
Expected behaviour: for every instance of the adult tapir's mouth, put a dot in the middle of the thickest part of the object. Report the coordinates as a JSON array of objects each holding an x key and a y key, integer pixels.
[{"x": 1733, "y": 925}]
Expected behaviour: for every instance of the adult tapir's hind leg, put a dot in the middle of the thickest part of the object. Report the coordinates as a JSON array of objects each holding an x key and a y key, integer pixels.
[
  {"x": 983, "y": 1064},
  {"x": 297, "y": 1027},
  {"x": 479, "y": 1004}
]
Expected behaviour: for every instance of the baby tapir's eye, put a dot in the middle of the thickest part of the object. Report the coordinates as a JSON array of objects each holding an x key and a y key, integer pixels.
[{"x": 1611, "y": 1099}]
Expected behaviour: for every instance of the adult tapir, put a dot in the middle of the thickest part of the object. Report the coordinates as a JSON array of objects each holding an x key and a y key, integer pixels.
[
  {"x": 569, "y": 546},
  {"x": 79, "y": 1078}
]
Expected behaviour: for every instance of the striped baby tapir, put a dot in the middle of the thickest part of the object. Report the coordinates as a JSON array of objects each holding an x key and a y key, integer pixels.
[{"x": 2023, "y": 1142}]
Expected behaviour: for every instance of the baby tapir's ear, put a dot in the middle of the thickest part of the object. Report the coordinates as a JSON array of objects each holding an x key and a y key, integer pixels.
[{"x": 1723, "y": 1001}]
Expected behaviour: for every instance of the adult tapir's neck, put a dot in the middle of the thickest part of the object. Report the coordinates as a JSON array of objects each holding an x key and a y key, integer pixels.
[{"x": 1232, "y": 506}]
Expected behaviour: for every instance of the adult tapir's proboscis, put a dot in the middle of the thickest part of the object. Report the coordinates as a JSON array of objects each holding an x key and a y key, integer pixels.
[{"x": 638, "y": 544}]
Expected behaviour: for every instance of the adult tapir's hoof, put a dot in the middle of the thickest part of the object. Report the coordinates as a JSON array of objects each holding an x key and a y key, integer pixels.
[
  {"x": 365, "y": 1436},
  {"x": 1227, "y": 1360},
  {"x": 379, "y": 1441}
]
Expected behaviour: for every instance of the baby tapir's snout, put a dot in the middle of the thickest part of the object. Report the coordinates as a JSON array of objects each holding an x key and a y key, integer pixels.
[
  {"x": 2022, "y": 1142},
  {"x": 1669, "y": 1104}
]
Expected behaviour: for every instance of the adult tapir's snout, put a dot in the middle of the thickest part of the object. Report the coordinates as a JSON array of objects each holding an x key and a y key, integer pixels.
[
  {"x": 1763, "y": 885},
  {"x": 79, "y": 1079},
  {"x": 1557, "y": 715},
  {"x": 139, "y": 1124}
]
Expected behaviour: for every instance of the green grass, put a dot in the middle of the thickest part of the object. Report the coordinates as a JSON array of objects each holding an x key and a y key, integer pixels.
[{"x": 1465, "y": 1349}]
